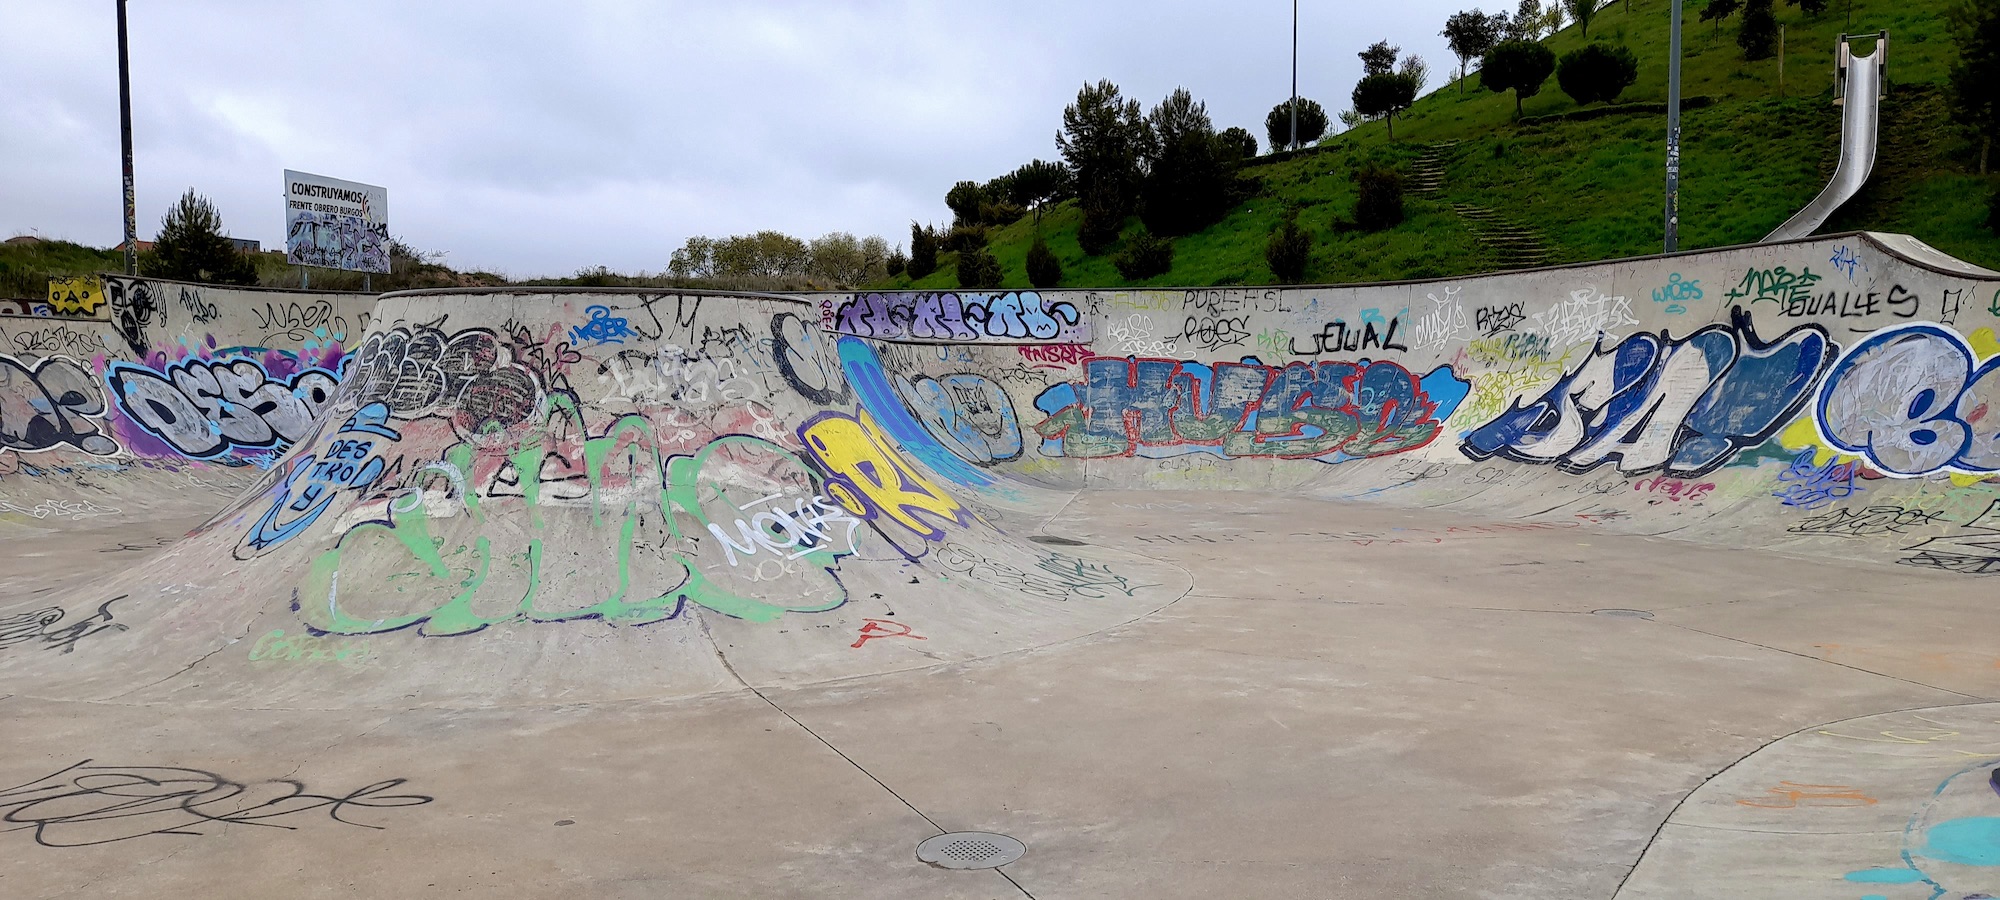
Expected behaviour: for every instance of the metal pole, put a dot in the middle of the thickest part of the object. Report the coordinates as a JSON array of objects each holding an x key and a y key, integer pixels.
[
  {"x": 1673, "y": 240},
  {"x": 1295, "y": 73},
  {"x": 125, "y": 134}
]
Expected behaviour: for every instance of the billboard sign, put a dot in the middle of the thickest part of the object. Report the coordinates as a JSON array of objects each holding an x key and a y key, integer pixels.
[{"x": 335, "y": 224}]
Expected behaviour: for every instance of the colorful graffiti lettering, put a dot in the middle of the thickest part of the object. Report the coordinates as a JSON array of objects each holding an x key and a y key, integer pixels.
[
  {"x": 352, "y": 460},
  {"x": 967, "y": 413},
  {"x": 1656, "y": 404},
  {"x": 50, "y": 403},
  {"x": 1054, "y": 356},
  {"x": 864, "y": 473},
  {"x": 205, "y": 408},
  {"x": 1846, "y": 261},
  {"x": 1013, "y": 316},
  {"x": 1331, "y": 411},
  {"x": 602, "y": 328},
  {"x": 1677, "y": 293},
  {"x": 1811, "y": 485},
  {"x": 1672, "y": 489},
  {"x": 1910, "y": 401}
]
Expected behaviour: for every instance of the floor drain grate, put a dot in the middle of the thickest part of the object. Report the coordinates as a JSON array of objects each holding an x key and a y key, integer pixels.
[
  {"x": 1052, "y": 539},
  {"x": 1622, "y": 613},
  {"x": 970, "y": 850}
]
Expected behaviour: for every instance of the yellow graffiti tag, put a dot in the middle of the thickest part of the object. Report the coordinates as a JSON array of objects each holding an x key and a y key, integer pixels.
[
  {"x": 79, "y": 295},
  {"x": 866, "y": 476}
]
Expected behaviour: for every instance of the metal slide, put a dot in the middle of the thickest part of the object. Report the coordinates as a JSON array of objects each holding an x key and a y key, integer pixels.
[{"x": 1858, "y": 88}]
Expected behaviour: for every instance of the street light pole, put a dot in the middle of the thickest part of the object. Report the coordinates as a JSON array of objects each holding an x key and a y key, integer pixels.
[
  {"x": 1674, "y": 133},
  {"x": 125, "y": 134},
  {"x": 1295, "y": 75}
]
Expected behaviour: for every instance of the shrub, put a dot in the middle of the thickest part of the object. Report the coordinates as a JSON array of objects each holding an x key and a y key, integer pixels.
[
  {"x": 1381, "y": 198},
  {"x": 1519, "y": 66},
  {"x": 1597, "y": 72},
  {"x": 964, "y": 237},
  {"x": 923, "y": 250},
  {"x": 897, "y": 263},
  {"x": 977, "y": 268},
  {"x": 1044, "y": 270},
  {"x": 1288, "y": 250},
  {"x": 1993, "y": 211},
  {"x": 1758, "y": 36},
  {"x": 1099, "y": 229},
  {"x": 1145, "y": 255}
]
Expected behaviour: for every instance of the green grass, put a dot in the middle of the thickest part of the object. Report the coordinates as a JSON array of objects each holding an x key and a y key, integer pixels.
[
  {"x": 25, "y": 268},
  {"x": 1593, "y": 187}
]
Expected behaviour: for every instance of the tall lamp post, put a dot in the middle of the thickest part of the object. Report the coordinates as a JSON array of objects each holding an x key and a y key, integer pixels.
[
  {"x": 1295, "y": 75},
  {"x": 1673, "y": 240},
  {"x": 125, "y": 134}
]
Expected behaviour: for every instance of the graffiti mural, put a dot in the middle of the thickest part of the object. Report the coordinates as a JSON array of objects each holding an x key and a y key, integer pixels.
[
  {"x": 1013, "y": 316},
  {"x": 48, "y": 403},
  {"x": 1331, "y": 411},
  {"x": 1914, "y": 400},
  {"x": 602, "y": 328},
  {"x": 351, "y": 461},
  {"x": 75, "y": 295},
  {"x": 470, "y": 377},
  {"x": 1651, "y": 403},
  {"x": 967, "y": 413},
  {"x": 204, "y": 408},
  {"x": 134, "y": 308},
  {"x": 866, "y": 475}
]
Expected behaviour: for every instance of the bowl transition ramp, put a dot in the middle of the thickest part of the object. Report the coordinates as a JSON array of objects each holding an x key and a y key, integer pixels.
[{"x": 526, "y": 495}]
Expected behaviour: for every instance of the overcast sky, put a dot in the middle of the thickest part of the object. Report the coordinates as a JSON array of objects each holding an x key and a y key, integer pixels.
[{"x": 535, "y": 138}]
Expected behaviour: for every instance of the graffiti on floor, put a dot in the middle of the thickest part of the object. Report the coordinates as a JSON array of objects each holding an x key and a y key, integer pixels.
[
  {"x": 1796, "y": 795},
  {"x": 1974, "y": 549},
  {"x": 48, "y": 403},
  {"x": 1661, "y": 489},
  {"x": 277, "y": 646},
  {"x": 1807, "y": 484},
  {"x": 1651, "y": 403},
  {"x": 44, "y": 627},
  {"x": 1012, "y": 316},
  {"x": 204, "y": 408},
  {"x": 1869, "y": 521},
  {"x": 1333, "y": 411},
  {"x": 1912, "y": 400},
  {"x": 1057, "y": 576},
  {"x": 876, "y": 629},
  {"x": 352, "y": 461},
  {"x": 86, "y": 804},
  {"x": 1951, "y": 844},
  {"x": 58, "y": 509}
]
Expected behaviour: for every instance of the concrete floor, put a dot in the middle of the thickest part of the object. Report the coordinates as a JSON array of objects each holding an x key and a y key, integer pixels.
[{"x": 1352, "y": 701}]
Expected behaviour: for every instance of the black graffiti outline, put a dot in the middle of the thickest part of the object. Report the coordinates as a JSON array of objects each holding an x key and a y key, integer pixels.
[{"x": 187, "y": 799}]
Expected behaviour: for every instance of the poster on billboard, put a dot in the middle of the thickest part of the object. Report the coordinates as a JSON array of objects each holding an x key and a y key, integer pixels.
[{"x": 335, "y": 224}]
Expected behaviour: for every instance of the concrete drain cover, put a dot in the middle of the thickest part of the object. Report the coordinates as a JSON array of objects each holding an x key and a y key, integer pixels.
[
  {"x": 1052, "y": 539},
  {"x": 970, "y": 850},
  {"x": 1622, "y": 613}
]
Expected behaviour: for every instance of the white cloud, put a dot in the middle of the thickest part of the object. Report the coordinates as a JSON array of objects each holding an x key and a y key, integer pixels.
[{"x": 536, "y": 138}]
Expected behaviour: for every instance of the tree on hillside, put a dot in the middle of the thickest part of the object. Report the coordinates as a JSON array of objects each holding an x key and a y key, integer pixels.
[
  {"x": 1103, "y": 138},
  {"x": 1554, "y": 17},
  {"x": 1037, "y": 184},
  {"x": 1811, "y": 7},
  {"x": 1758, "y": 35},
  {"x": 1379, "y": 58},
  {"x": 1186, "y": 187},
  {"x": 963, "y": 200},
  {"x": 923, "y": 250},
  {"x": 190, "y": 246},
  {"x": 1288, "y": 250},
  {"x": 1582, "y": 11},
  {"x": 1234, "y": 144},
  {"x": 1519, "y": 66},
  {"x": 1717, "y": 10},
  {"x": 1384, "y": 96},
  {"x": 1597, "y": 72},
  {"x": 1527, "y": 22},
  {"x": 1975, "y": 75},
  {"x": 1471, "y": 33},
  {"x": 1278, "y": 125}
]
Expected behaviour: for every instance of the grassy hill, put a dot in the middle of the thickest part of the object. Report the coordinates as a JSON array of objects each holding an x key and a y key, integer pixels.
[{"x": 1569, "y": 185}]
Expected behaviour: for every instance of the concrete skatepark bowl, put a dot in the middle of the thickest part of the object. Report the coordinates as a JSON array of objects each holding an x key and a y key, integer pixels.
[{"x": 1659, "y": 577}]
